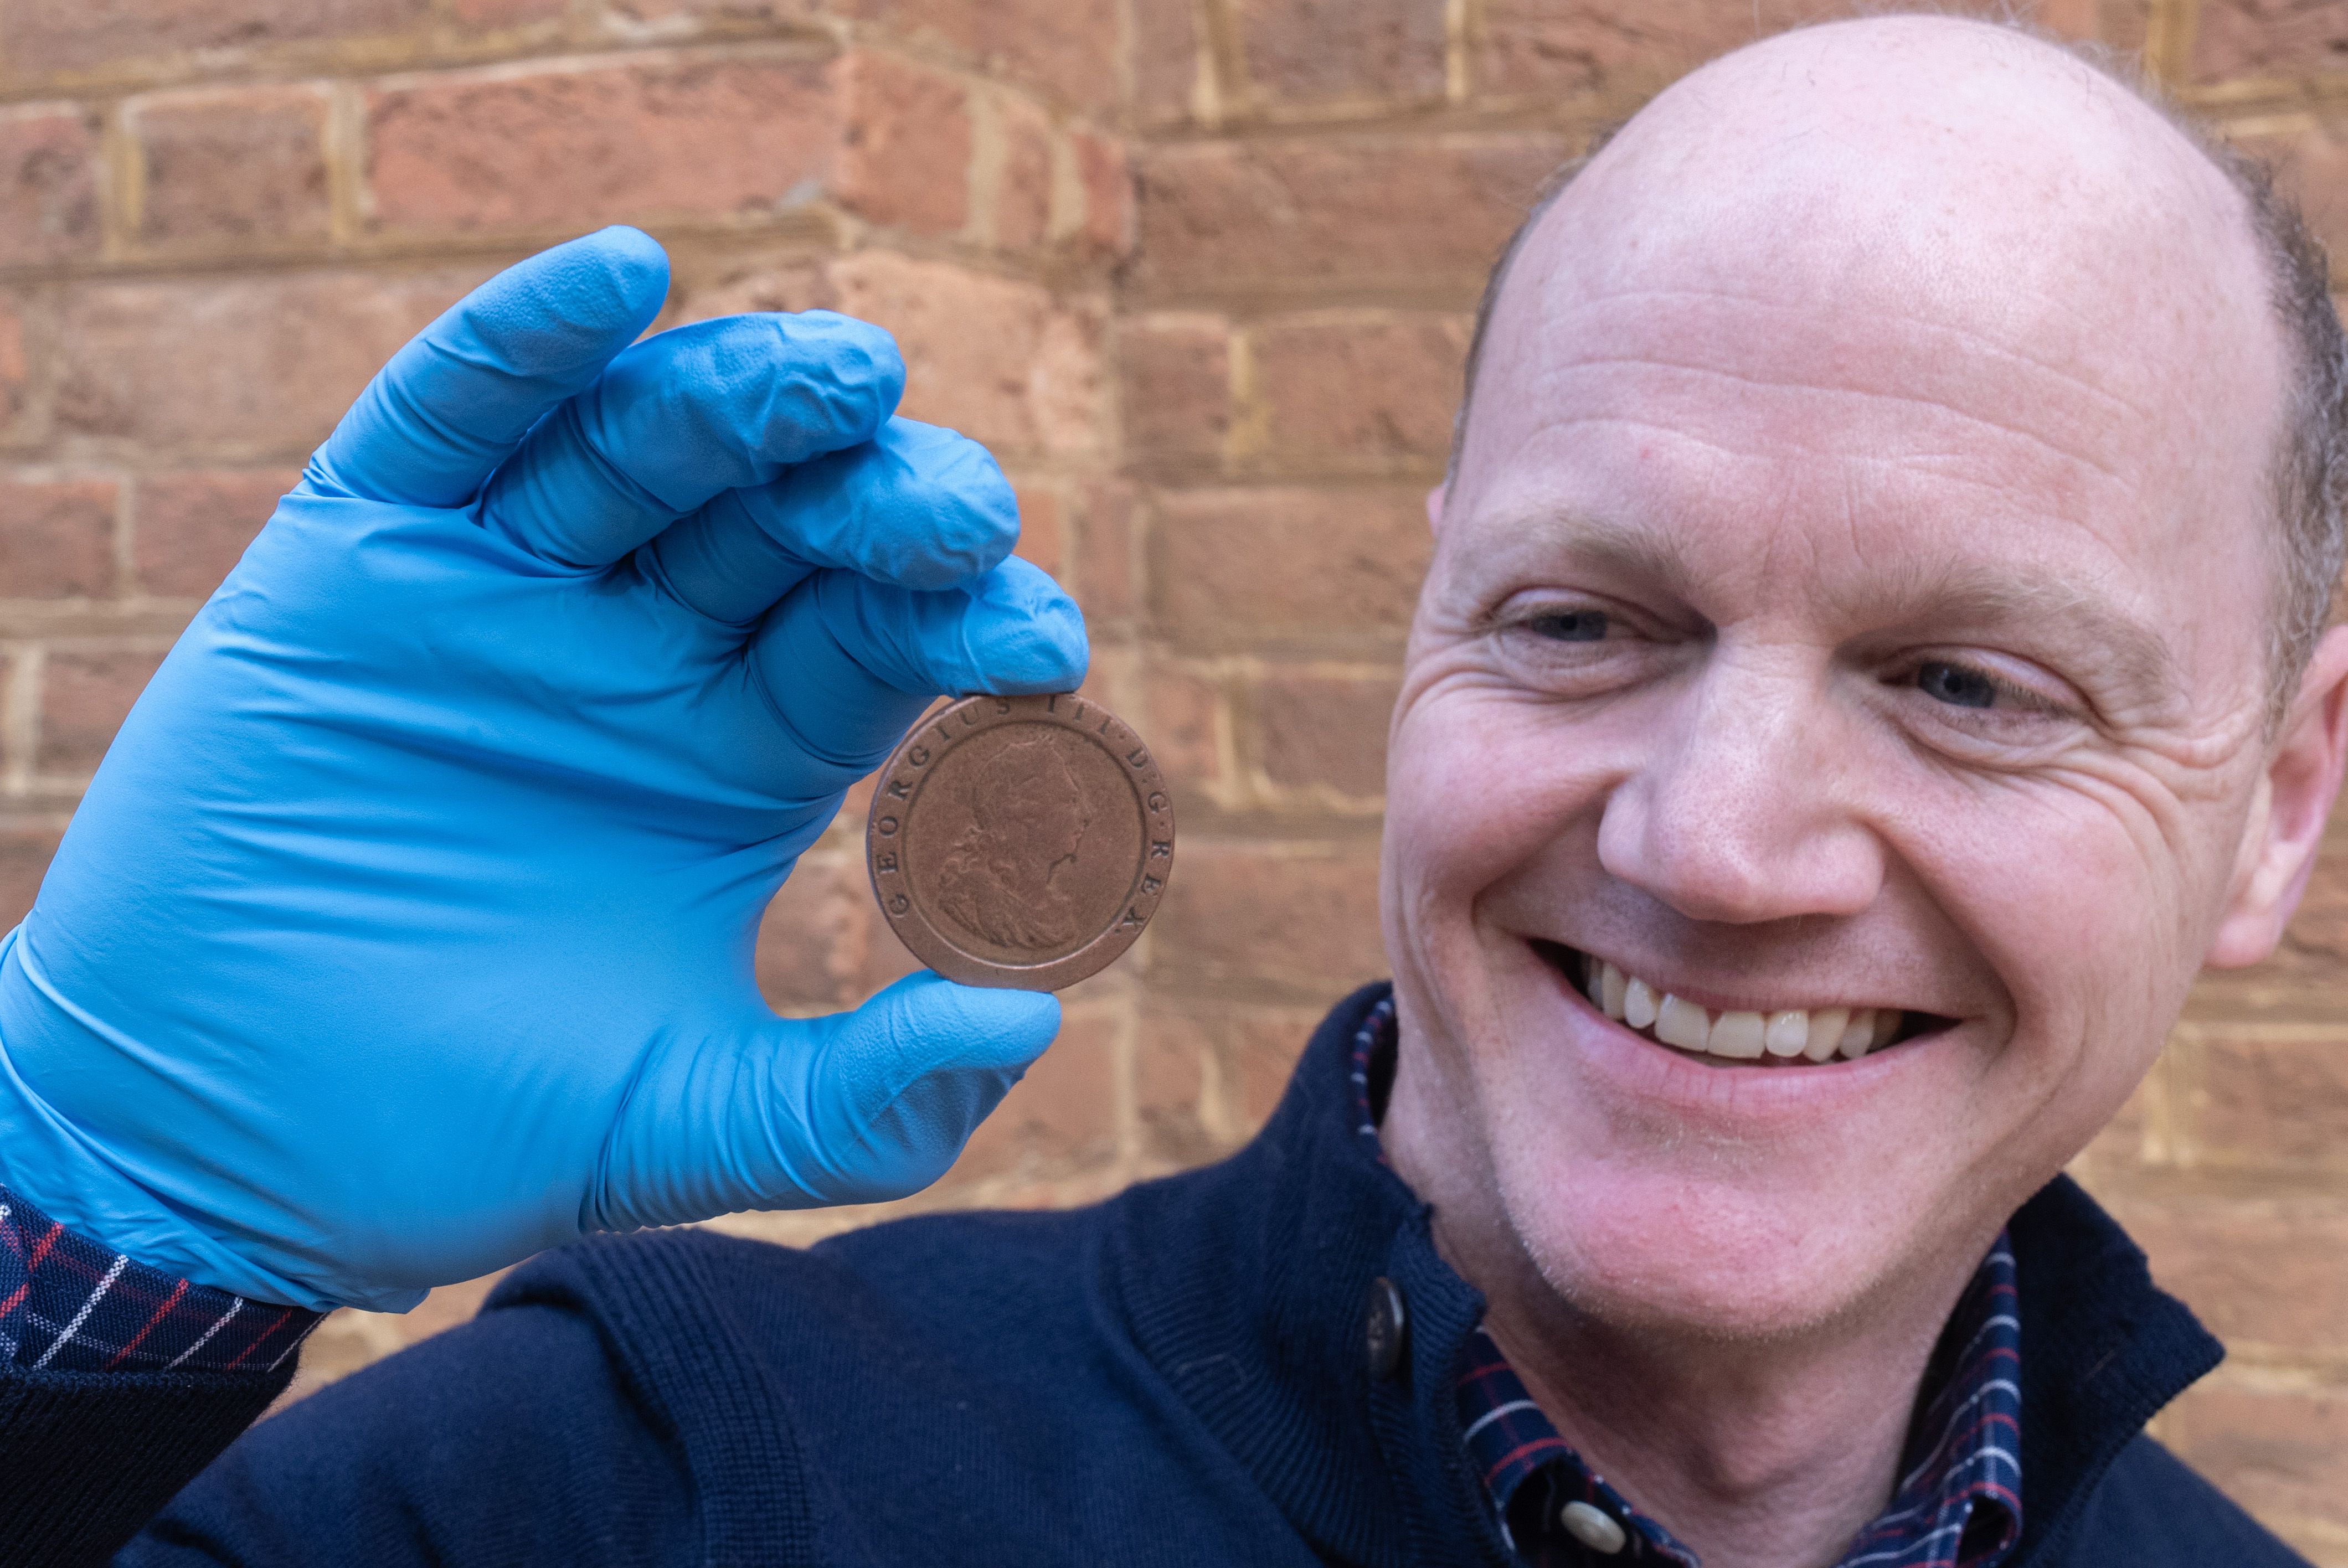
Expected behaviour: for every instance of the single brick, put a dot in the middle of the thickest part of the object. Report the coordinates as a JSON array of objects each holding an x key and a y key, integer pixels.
[
  {"x": 1000, "y": 361},
  {"x": 49, "y": 184},
  {"x": 2122, "y": 24},
  {"x": 1288, "y": 561},
  {"x": 2270, "y": 1103},
  {"x": 509, "y": 13},
  {"x": 1300, "y": 918},
  {"x": 1348, "y": 387},
  {"x": 578, "y": 147},
  {"x": 1168, "y": 53},
  {"x": 1066, "y": 46},
  {"x": 223, "y": 167},
  {"x": 1105, "y": 177},
  {"x": 1023, "y": 197},
  {"x": 57, "y": 537},
  {"x": 25, "y": 852},
  {"x": 187, "y": 529},
  {"x": 1174, "y": 374},
  {"x": 1188, "y": 723},
  {"x": 1101, "y": 550},
  {"x": 2293, "y": 38},
  {"x": 792, "y": 284},
  {"x": 1172, "y": 1071},
  {"x": 1623, "y": 48},
  {"x": 85, "y": 697},
  {"x": 1399, "y": 211},
  {"x": 264, "y": 362},
  {"x": 905, "y": 144},
  {"x": 1306, "y": 50},
  {"x": 1325, "y": 731},
  {"x": 45, "y": 36},
  {"x": 720, "y": 11},
  {"x": 1042, "y": 526}
]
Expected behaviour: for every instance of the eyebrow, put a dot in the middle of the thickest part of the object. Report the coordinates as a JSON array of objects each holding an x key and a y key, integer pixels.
[
  {"x": 2136, "y": 658},
  {"x": 2143, "y": 663}
]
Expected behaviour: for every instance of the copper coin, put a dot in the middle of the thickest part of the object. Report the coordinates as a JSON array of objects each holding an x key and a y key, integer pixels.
[{"x": 1020, "y": 841}]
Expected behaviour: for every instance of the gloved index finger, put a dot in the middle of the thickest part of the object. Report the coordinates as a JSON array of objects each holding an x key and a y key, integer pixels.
[
  {"x": 918, "y": 506},
  {"x": 717, "y": 405},
  {"x": 451, "y": 404}
]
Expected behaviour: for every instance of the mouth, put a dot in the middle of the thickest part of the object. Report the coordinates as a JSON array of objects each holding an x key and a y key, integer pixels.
[{"x": 1778, "y": 1037}]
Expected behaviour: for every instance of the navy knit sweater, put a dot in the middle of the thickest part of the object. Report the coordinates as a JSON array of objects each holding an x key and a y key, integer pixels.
[{"x": 1178, "y": 1376}]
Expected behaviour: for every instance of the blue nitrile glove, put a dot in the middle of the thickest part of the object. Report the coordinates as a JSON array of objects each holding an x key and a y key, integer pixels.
[{"x": 407, "y": 929}]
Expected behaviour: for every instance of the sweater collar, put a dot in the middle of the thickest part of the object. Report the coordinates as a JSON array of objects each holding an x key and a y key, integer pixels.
[{"x": 1278, "y": 1338}]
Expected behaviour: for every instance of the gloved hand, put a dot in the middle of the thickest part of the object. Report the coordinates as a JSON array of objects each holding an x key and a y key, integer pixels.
[{"x": 407, "y": 928}]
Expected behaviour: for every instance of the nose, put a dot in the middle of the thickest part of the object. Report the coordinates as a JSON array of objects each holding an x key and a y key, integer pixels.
[{"x": 1743, "y": 809}]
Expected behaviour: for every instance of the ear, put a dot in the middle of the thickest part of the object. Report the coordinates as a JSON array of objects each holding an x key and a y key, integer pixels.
[
  {"x": 2294, "y": 799},
  {"x": 1434, "y": 499}
]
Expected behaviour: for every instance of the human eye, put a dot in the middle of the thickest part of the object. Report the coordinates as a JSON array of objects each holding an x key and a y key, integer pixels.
[
  {"x": 1959, "y": 686},
  {"x": 1985, "y": 700},
  {"x": 1975, "y": 688},
  {"x": 1568, "y": 625},
  {"x": 1572, "y": 645}
]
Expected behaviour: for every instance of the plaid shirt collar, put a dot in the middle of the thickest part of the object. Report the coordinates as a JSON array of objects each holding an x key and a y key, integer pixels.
[{"x": 1957, "y": 1504}]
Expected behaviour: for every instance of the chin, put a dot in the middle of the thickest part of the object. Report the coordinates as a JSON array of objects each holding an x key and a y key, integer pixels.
[{"x": 1686, "y": 1250}]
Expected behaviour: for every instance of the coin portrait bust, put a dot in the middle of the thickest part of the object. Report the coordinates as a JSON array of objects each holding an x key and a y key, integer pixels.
[{"x": 1024, "y": 797}]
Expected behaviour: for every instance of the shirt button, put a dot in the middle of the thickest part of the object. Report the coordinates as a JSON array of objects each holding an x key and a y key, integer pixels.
[
  {"x": 1382, "y": 1327},
  {"x": 1593, "y": 1527}
]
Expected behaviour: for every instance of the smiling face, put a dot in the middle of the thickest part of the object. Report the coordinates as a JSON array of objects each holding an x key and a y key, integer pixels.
[{"x": 1852, "y": 596}]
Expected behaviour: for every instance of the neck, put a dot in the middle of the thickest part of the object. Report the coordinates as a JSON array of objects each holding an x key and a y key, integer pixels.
[
  {"x": 1755, "y": 1453},
  {"x": 1760, "y": 1455}
]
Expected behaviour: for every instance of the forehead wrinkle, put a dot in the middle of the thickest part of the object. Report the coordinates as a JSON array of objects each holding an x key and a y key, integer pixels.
[
  {"x": 1806, "y": 317},
  {"x": 1870, "y": 394}
]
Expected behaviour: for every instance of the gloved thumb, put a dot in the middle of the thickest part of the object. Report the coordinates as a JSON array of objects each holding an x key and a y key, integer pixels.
[{"x": 854, "y": 1108}]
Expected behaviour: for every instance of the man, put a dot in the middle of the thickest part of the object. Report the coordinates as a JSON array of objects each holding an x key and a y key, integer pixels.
[{"x": 1873, "y": 657}]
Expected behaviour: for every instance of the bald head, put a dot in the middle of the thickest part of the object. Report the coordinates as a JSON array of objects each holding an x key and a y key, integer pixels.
[{"x": 2003, "y": 193}]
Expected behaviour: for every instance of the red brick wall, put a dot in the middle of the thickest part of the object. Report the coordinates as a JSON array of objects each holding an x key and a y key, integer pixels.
[{"x": 1201, "y": 270}]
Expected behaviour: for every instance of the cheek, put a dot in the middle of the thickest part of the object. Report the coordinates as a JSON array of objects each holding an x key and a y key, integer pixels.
[
  {"x": 2085, "y": 902},
  {"x": 1480, "y": 785}
]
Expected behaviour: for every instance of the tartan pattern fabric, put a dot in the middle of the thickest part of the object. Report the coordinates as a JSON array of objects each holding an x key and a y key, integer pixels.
[
  {"x": 69, "y": 1305},
  {"x": 1958, "y": 1503},
  {"x": 1531, "y": 1473}
]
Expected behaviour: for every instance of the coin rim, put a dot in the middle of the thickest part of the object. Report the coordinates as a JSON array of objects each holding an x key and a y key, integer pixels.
[{"x": 1094, "y": 955}]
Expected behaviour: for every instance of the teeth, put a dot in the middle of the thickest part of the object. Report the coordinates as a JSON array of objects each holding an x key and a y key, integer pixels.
[
  {"x": 1683, "y": 1024},
  {"x": 1786, "y": 1033},
  {"x": 1814, "y": 1035},
  {"x": 1640, "y": 1003},
  {"x": 1826, "y": 1033},
  {"x": 1858, "y": 1034},
  {"x": 1736, "y": 1035}
]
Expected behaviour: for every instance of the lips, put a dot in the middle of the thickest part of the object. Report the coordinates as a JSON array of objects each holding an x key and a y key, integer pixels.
[{"x": 1784, "y": 1037}]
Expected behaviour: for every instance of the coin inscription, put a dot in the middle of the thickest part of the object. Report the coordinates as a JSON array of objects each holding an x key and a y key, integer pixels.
[{"x": 1020, "y": 841}]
